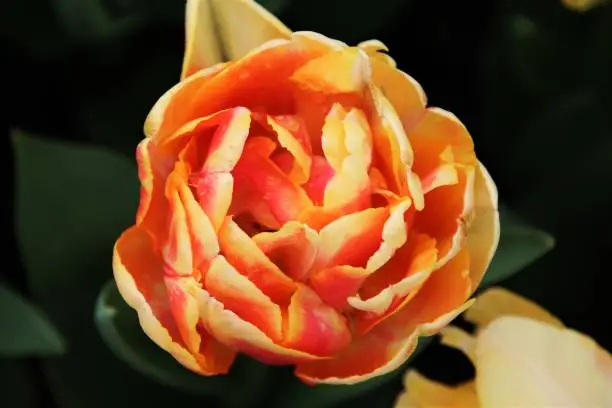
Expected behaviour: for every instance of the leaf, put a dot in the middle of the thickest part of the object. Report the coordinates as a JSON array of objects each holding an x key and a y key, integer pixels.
[
  {"x": 72, "y": 203},
  {"x": 26, "y": 332},
  {"x": 296, "y": 394},
  {"x": 519, "y": 246}
]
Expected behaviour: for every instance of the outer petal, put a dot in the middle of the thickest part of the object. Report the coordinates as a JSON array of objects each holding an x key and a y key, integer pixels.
[
  {"x": 139, "y": 276},
  {"x": 221, "y": 30},
  {"x": 247, "y": 82},
  {"x": 483, "y": 232},
  {"x": 390, "y": 343},
  {"x": 521, "y": 362},
  {"x": 424, "y": 393}
]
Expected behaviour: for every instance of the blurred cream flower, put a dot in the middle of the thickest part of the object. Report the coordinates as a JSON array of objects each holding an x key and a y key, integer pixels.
[
  {"x": 582, "y": 5},
  {"x": 524, "y": 358}
]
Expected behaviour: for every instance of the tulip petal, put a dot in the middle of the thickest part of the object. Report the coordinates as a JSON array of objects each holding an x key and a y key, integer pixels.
[
  {"x": 296, "y": 142},
  {"x": 351, "y": 240},
  {"x": 226, "y": 30},
  {"x": 424, "y": 393},
  {"x": 247, "y": 82},
  {"x": 389, "y": 344},
  {"x": 483, "y": 232},
  {"x": 242, "y": 336},
  {"x": 313, "y": 326},
  {"x": 164, "y": 109},
  {"x": 283, "y": 197},
  {"x": 522, "y": 362},
  {"x": 336, "y": 284},
  {"x": 393, "y": 153},
  {"x": 436, "y": 132},
  {"x": 448, "y": 213},
  {"x": 244, "y": 255},
  {"x": 404, "y": 93},
  {"x": 389, "y": 289},
  {"x": 293, "y": 248},
  {"x": 153, "y": 204},
  {"x": 320, "y": 174},
  {"x": 344, "y": 71},
  {"x": 238, "y": 294},
  {"x": 498, "y": 302},
  {"x": 140, "y": 279}
]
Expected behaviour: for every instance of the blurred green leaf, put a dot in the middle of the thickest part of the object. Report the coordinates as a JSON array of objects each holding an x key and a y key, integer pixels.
[
  {"x": 72, "y": 203},
  {"x": 26, "y": 332},
  {"x": 295, "y": 394},
  {"x": 519, "y": 246}
]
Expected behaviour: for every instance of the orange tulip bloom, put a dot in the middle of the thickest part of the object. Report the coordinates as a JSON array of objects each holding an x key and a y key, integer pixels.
[{"x": 300, "y": 204}]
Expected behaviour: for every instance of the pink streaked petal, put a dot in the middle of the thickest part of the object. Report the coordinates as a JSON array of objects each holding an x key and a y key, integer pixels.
[
  {"x": 176, "y": 252},
  {"x": 248, "y": 259},
  {"x": 388, "y": 345},
  {"x": 283, "y": 197},
  {"x": 320, "y": 174},
  {"x": 313, "y": 326},
  {"x": 139, "y": 275},
  {"x": 243, "y": 336},
  {"x": 299, "y": 149},
  {"x": 393, "y": 286},
  {"x": 352, "y": 239},
  {"x": 338, "y": 283},
  {"x": 293, "y": 248},
  {"x": 241, "y": 296},
  {"x": 184, "y": 306}
]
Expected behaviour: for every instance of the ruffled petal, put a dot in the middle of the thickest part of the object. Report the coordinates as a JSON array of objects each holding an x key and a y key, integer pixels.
[
  {"x": 390, "y": 343},
  {"x": 243, "y": 336},
  {"x": 320, "y": 174},
  {"x": 313, "y": 326},
  {"x": 247, "y": 82},
  {"x": 249, "y": 260},
  {"x": 448, "y": 213},
  {"x": 336, "y": 284},
  {"x": 351, "y": 240},
  {"x": 404, "y": 93},
  {"x": 293, "y": 248},
  {"x": 396, "y": 283},
  {"x": 139, "y": 274},
  {"x": 238, "y": 294},
  {"x": 215, "y": 31},
  {"x": 269, "y": 185},
  {"x": 292, "y": 136}
]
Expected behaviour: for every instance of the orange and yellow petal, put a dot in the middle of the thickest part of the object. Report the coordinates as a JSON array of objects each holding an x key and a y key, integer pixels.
[
  {"x": 292, "y": 248},
  {"x": 335, "y": 284},
  {"x": 389, "y": 344},
  {"x": 238, "y": 294},
  {"x": 249, "y": 260},
  {"x": 232, "y": 331},
  {"x": 139, "y": 275},
  {"x": 313, "y": 326},
  {"x": 483, "y": 232}
]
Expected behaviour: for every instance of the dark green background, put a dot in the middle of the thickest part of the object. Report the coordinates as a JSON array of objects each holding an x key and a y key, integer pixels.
[{"x": 531, "y": 80}]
